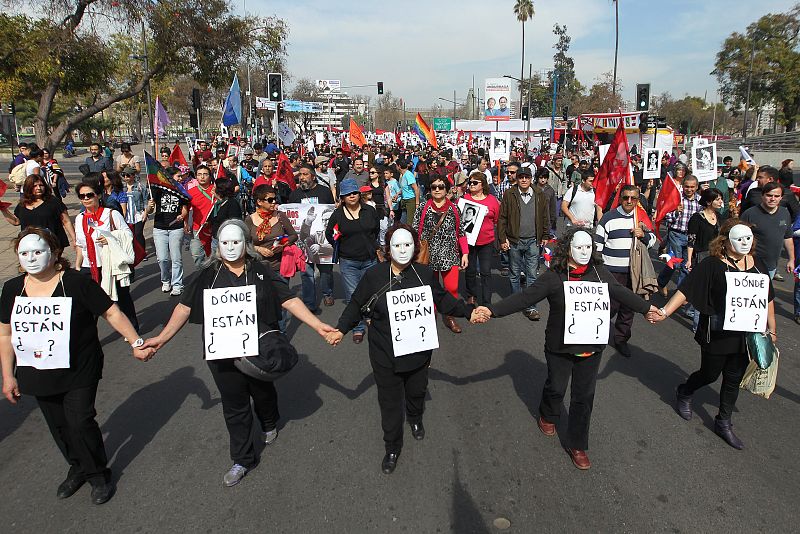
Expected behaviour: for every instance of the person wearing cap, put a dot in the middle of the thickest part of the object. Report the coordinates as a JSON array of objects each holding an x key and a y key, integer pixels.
[
  {"x": 353, "y": 232},
  {"x": 247, "y": 154},
  {"x": 522, "y": 226}
]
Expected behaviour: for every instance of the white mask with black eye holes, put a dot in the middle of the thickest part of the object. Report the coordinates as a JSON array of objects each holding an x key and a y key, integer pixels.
[
  {"x": 401, "y": 247},
  {"x": 231, "y": 243},
  {"x": 34, "y": 254},
  {"x": 581, "y": 248},
  {"x": 741, "y": 238}
]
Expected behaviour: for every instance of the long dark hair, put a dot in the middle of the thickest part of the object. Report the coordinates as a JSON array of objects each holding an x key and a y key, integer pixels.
[
  {"x": 30, "y": 183},
  {"x": 561, "y": 255}
]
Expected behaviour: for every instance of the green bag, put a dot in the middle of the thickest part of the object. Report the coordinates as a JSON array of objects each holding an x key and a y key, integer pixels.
[{"x": 761, "y": 349}]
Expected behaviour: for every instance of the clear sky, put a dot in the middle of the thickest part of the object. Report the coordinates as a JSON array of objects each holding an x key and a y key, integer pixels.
[{"x": 424, "y": 49}]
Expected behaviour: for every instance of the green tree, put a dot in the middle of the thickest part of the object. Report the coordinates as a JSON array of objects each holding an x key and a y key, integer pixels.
[
  {"x": 601, "y": 96},
  {"x": 771, "y": 45},
  {"x": 523, "y": 10},
  {"x": 568, "y": 85}
]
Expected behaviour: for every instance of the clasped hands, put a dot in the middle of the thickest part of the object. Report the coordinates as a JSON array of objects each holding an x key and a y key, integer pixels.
[
  {"x": 480, "y": 314},
  {"x": 654, "y": 315}
]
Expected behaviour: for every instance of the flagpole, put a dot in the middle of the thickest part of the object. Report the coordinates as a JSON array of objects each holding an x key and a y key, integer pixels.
[{"x": 155, "y": 128}]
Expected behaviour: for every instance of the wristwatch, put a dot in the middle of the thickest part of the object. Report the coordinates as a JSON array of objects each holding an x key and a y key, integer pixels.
[
  {"x": 138, "y": 343},
  {"x": 662, "y": 312}
]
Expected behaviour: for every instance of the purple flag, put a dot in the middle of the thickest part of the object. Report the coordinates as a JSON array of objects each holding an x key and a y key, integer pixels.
[{"x": 161, "y": 119}]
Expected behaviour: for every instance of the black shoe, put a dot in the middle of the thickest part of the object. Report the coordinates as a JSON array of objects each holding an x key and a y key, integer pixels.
[
  {"x": 724, "y": 429},
  {"x": 418, "y": 431},
  {"x": 683, "y": 404},
  {"x": 68, "y": 488},
  {"x": 533, "y": 315},
  {"x": 102, "y": 493},
  {"x": 623, "y": 348},
  {"x": 389, "y": 462}
]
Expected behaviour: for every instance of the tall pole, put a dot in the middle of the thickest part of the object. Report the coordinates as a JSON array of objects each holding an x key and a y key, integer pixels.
[
  {"x": 454, "y": 110},
  {"x": 749, "y": 84},
  {"x": 553, "y": 114},
  {"x": 528, "y": 124},
  {"x": 149, "y": 100},
  {"x": 616, "y": 49}
]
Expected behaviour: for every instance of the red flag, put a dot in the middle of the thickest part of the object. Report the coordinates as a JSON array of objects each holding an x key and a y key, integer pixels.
[
  {"x": 398, "y": 140},
  {"x": 285, "y": 172},
  {"x": 177, "y": 156},
  {"x": 356, "y": 135},
  {"x": 469, "y": 142},
  {"x": 345, "y": 146},
  {"x": 669, "y": 198},
  {"x": 459, "y": 137},
  {"x": 614, "y": 170}
]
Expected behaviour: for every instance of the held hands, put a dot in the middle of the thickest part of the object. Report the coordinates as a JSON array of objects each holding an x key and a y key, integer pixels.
[
  {"x": 144, "y": 354},
  {"x": 480, "y": 315},
  {"x": 333, "y": 338},
  {"x": 654, "y": 315},
  {"x": 11, "y": 390},
  {"x": 324, "y": 330}
]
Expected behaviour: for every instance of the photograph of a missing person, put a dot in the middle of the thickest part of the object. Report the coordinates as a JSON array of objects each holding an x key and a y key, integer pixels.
[
  {"x": 704, "y": 162},
  {"x": 472, "y": 215},
  {"x": 652, "y": 163}
]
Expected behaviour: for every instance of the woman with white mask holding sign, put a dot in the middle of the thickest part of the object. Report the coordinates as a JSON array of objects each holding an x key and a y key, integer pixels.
[
  {"x": 238, "y": 300},
  {"x": 50, "y": 349},
  {"x": 399, "y": 299},
  {"x": 579, "y": 289},
  {"x": 732, "y": 291}
]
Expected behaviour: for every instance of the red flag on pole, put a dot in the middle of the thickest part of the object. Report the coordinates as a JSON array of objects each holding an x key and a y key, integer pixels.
[
  {"x": 356, "y": 135},
  {"x": 398, "y": 139},
  {"x": 345, "y": 146},
  {"x": 614, "y": 170},
  {"x": 669, "y": 198},
  {"x": 285, "y": 173},
  {"x": 177, "y": 156}
]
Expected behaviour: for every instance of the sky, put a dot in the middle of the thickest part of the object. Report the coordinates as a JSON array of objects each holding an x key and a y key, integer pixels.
[{"x": 425, "y": 49}]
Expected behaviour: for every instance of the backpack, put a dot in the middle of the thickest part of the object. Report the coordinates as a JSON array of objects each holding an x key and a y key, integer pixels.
[{"x": 17, "y": 175}]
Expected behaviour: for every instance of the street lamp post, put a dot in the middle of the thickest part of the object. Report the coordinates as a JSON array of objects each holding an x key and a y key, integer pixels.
[
  {"x": 528, "y": 99},
  {"x": 454, "y": 102},
  {"x": 749, "y": 84}
]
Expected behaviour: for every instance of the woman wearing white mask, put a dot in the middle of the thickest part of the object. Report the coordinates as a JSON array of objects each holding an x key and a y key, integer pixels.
[
  {"x": 723, "y": 350},
  {"x": 50, "y": 349},
  {"x": 236, "y": 264},
  {"x": 572, "y": 350},
  {"x": 399, "y": 374}
]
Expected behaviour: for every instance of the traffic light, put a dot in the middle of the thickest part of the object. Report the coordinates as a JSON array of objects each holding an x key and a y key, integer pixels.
[
  {"x": 279, "y": 110},
  {"x": 399, "y": 124},
  {"x": 195, "y": 99},
  {"x": 565, "y": 112},
  {"x": 380, "y": 88},
  {"x": 642, "y": 96},
  {"x": 643, "y": 118},
  {"x": 684, "y": 127},
  {"x": 275, "y": 86},
  {"x": 524, "y": 113},
  {"x": 193, "y": 119}
]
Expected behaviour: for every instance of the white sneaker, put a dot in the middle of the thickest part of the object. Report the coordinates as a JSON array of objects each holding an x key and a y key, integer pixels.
[
  {"x": 234, "y": 476},
  {"x": 270, "y": 436},
  {"x": 165, "y": 287},
  {"x": 176, "y": 291}
]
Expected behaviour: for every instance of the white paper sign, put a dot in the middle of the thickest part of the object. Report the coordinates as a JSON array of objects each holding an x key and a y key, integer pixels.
[
  {"x": 472, "y": 215},
  {"x": 310, "y": 221},
  {"x": 587, "y": 313},
  {"x": 704, "y": 162},
  {"x": 500, "y": 146},
  {"x": 285, "y": 134},
  {"x": 603, "y": 152},
  {"x": 230, "y": 322},
  {"x": 319, "y": 138},
  {"x": 652, "y": 163},
  {"x": 412, "y": 319},
  {"x": 746, "y": 302},
  {"x": 40, "y": 330}
]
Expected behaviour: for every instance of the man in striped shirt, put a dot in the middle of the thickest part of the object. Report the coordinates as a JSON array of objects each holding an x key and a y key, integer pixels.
[
  {"x": 677, "y": 240},
  {"x": 614, "y": 235}
]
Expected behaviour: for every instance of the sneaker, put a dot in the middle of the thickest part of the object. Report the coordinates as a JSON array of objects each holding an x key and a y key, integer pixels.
[
  {"x": 327, "y": 300},
  {"x": 779, "y": 277},
  {"x": 176, "y": 291},
  {"x": 234, "y": 476},
  {"x": 270, "y": 436},
  {"x": 533, "y": 315},
  {"x": 165, "y": 287}
]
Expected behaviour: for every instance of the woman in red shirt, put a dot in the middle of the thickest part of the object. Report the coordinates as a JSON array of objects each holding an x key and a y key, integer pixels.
[{"x": 480, "y": 254}]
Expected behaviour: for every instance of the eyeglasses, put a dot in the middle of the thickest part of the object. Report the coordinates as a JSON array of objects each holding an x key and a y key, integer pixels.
[
  {"x": 271, "y": 200},
  {"x": 86, "y": 196},
  {"x": 373, "y": 172},
  {"x": 631, "y": 197},
  {"x": 511, "y": 172},
  {"x": 439, "y": 187},
  {"x": 473, "y": 182}
]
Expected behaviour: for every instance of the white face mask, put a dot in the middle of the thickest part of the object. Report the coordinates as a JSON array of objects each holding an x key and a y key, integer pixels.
[
  {"x": 581, "y": 248},
  {"x": 401, "y": 247},
  {"x": 231, "y": 243},
  {"x": 34, "y": 254},
  {"x": 741, "y": 239}
]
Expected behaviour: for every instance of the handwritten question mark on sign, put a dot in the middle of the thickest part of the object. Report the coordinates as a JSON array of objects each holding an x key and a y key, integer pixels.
[
  {"x": 19, "y": 345},
  {"x": 423, "y": 332},
  {"x": 246, "y": 337},
  {"x": 208, "y": 349},
  {"x": 570, "y": 328},
  {"x": 597, "y": 330},
  {"x": 757, "y": 318},
  {"x": 51, "y": 342}
]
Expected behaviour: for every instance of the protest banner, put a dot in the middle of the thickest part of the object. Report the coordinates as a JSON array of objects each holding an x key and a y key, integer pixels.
[
  {"x": 40, "y": 331},
  {"x": 652, "y": 163},
  {"x": 285, "y": 134},
  {"x": 587, "y": 313},
  {"x": 498, "y": 99},
  {"x": 500, "y": 146},
  {"x": 230, "y": 322},
  {"x": 746, "y": 302},
  {"x": 472, "y": 215},
  {"x": 319, "y": 138},
  {"x": 704, "y": 162},
  {"x": 310, "y": 221},
  {"x": 233, "y": 150},
  {"x": 412, "y": 320}
]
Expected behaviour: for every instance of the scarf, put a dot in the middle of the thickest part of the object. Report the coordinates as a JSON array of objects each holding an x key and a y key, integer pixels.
[
  {"x": 89, "y": 232},
  {"x": 265, "y": 227}
]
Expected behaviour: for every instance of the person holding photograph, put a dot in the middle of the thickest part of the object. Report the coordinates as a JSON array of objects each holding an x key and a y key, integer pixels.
[{"x": 481, "y": 253}]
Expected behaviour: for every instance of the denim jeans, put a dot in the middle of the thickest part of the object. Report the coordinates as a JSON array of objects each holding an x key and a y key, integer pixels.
[
  {"x": 283, "y": 322},
  {"x": 352, "y": 272},
  {"x": 523, "y": 257},
  {"x": 309, "y": 284},
  {"x": 676, "y": 243},
  {"x": 168, "y": 253},
  {"x": 197, "y": 251}
]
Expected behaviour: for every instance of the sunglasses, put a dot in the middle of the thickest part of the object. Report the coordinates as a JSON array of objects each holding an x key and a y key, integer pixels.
[
  {"x": 626, "y": 197},
  {"x": 271, "y": 200},
  {"x": 373, "y": 172},
  {"x": 86, "y": 196},
  {"x": 474, "y": 183},
  {"x": 511, "y": 172},
  {"x": 439, "y": 187},
  {"x": 351, "y": 194}
]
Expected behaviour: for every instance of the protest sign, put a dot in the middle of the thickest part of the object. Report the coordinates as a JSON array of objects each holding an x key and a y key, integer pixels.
[
  {"x": 652, "y": 163},
  {"x": 230, "y": 322},
  {"x": 500, "y": 146},
  {"x": 587, "y": 313},
  {"x": 319, "y": 138},
  {"x": 472, "y": 215},
  {"x": 233, "y": 150},
  {"x": 746, "y": 302},
  {"x": 412, "y": 320},
  {"x": 285, "y": 134},
  {"x": 498, "y": 99},
  {"x": 704, "y": 162},
  {"x": 310, "y": 221},
  {"x": 40, "y": 331}
]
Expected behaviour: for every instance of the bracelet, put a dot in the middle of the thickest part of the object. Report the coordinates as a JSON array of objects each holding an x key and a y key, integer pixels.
[{"x": 663, "y": 312}]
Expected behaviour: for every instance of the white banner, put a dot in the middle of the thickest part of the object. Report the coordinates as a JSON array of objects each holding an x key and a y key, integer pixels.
[
  {"x": 230, "y": 322},
  {"x": 285, "y": 134},
  {"x": 412, "y": 320},
  {"x": 746, "y": 302},
  {"x": 652, "y": 163},
  {"x": 704, "y": 162},
  {"x": 40, "y": 331},
  {"x": 587, "y": 313},
  {"x": 472, "y": 215},
  {"x": 310, "y": 221}
]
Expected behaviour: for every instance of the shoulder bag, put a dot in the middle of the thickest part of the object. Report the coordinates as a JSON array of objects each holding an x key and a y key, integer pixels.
[{"x": 424, "y": 254}]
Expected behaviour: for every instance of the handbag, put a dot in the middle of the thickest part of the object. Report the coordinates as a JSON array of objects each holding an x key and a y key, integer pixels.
[
  {"x": 276, "y": 357},
  {"x": 761, "y": 349},
  {"x": 424, "y": 254}
]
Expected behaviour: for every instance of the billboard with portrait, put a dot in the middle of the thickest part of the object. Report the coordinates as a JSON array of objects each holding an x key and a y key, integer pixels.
[{"x": 498, "y": 99}]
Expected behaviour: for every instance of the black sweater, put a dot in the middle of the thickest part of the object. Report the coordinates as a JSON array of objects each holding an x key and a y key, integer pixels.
[
  {"x": 358, "y": 238},
  {"x": 380, "y": 340},
  {"x": 550, "y": 286}
]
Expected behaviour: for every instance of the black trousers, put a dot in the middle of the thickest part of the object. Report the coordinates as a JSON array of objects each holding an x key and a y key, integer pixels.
[
  {"x": 392, "y": 387},
  {"x": 583, "y": 371},
  {"x": 71, "y": 419},
  {"x": 621, "y": 328},
  {"x": 236, "y": 390},
  {"x": 480, "y": 257},
  {"x": 732, "y": 368},
  {"x": 124, "y": 299}
]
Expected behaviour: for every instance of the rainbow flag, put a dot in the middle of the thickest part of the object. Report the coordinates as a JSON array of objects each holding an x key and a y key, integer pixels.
[
  {"x": 423, "y": 128},
  {"x": 157, "y": 177}
]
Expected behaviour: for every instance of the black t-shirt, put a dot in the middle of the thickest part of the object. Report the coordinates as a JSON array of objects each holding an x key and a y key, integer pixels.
[
  {"x": 168, "y": 207},
  {"x": 223, "y": 211},
  {"x": 271, "y": 291},
  {"x": 86, "y": 354},
  {"x": 357, "y": 237},
  {"x": 46, "y": 215}
]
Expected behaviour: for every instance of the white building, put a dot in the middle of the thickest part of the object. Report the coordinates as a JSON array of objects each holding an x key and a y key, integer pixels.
[{"x": 334, "y": 109}]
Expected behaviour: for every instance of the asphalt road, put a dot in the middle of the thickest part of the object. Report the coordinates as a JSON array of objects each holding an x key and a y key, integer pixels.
[{"x": 482, "y": 461}]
